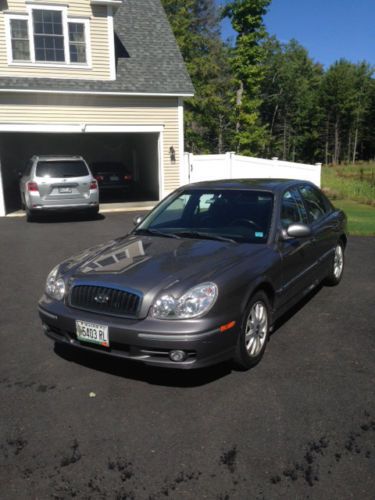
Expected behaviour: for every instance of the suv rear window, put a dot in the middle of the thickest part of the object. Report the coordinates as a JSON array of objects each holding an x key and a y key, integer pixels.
[{"x": 55, "y": 169}]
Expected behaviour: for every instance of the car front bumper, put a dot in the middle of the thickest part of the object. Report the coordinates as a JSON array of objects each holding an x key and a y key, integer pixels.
[{"x": 146, "y": 340}]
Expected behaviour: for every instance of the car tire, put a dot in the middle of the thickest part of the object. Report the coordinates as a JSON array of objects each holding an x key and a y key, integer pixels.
[
  {"x": 93, "y": 212},
  {"x": 336, "y": 266},
  {"x": 30, "y": 217},
  {"x": 254, "y": 334}
]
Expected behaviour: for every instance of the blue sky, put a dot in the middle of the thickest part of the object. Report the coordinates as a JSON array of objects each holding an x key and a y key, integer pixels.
[{"x": 328, "y": 29}]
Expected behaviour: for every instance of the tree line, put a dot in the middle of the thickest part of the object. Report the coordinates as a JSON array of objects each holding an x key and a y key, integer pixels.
[{"x": 258, "y": 96}]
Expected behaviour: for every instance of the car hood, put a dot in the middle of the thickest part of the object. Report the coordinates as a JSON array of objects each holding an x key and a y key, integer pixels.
[{"x": 154, "y": 264}]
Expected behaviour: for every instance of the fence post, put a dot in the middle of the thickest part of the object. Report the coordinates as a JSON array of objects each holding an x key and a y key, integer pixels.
[
  {"x": 319, "y": 173},
  {"x": 230, "y": 159}
]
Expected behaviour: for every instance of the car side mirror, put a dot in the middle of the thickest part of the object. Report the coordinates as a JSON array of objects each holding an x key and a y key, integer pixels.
[
  {"x": 137, "y": 219},
  {"x": 297, "y": 231},
  {"x": 20, "y": 175}
]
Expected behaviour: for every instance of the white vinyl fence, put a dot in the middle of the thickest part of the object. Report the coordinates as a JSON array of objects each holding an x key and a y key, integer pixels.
[{"x": 231, "y": 166}]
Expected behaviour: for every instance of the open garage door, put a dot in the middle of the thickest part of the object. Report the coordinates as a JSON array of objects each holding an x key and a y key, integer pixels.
[{"x": 137, "y": 154}]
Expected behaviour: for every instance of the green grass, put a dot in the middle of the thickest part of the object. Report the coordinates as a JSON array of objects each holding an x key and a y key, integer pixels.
[
  {"x": 352, "y": 188},
  {"x": 361, "y": 218},
  {"x": 350, "y": 182}
]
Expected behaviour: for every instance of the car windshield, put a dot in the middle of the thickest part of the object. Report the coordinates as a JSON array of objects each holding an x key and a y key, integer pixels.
[
  {"x": 223, "y": 214},
  {"x": 63, "y": 168}
]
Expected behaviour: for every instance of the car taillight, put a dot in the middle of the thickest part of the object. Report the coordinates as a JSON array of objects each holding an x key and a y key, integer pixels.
[
  {"x": 93, "y": 185},
  {"x": 99, "y": 178},
  {"x": 32, "y": 186},
  {"x": 127, "y": 177}
]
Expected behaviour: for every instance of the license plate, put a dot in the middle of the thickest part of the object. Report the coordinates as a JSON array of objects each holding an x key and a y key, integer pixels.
[
  {"x": 114, "y": 178},
  {"x": 65, "y": 190},
  {"x": 92, "y": 332}
]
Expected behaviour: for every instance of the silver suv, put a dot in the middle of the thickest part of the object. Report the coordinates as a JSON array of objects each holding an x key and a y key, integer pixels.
[{"x": 56, "y": 183}]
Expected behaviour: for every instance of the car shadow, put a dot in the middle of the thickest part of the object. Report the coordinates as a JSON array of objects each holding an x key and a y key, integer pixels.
[
  {"x": 66, "y": 217},
  {"x": 141, "y": 372},
  {"x": 296, "y": 308}
]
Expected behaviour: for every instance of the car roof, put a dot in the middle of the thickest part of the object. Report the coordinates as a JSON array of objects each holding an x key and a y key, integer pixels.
[{"x": 272, "y": 185}]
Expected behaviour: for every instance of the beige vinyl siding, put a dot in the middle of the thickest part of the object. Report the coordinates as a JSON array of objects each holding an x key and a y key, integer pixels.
[
  {"x": 98, "y": 41},
  {"x": 44, "y": 109}
]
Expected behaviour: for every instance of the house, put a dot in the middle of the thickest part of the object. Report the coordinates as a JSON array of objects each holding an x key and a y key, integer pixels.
[{"x": 100, "y": 78}]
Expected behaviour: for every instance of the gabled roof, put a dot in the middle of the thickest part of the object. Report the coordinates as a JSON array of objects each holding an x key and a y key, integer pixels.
[{"x": 148, "y": 59}]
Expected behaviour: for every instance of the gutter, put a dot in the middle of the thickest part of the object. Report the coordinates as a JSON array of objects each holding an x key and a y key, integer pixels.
[{"x": 88, "y": 92}]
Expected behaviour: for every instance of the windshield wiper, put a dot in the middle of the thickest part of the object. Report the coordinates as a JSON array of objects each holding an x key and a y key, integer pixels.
[
  {"x": 207, "y": 236},
  {"x": 156, "y": 232}
]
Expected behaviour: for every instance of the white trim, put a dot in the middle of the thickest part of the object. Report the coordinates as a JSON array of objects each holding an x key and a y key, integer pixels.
[
  {"x": 53, "y": 128},
  {"x": 91, "y": 129},
  {"x": 80, "y": 128},
  {"x": 2, "y": 201},
  {"x": 64, "y": 18},
  {"x": 114, "y": 3},
  {"x": 181, "y": 145},
  {"x": 51, "y": 64},
  {"x": 161, "y": 164},
  {"x": 55, "y": 5},
  {"x": 111, "y": 44},
  {"x": 84, "y": 92}
]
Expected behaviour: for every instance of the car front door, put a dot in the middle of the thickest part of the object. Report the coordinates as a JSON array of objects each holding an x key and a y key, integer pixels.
[{"x": 297, "y": 254}]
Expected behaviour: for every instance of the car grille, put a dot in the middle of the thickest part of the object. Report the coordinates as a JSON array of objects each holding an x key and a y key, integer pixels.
[{"x": 104, "y": 300}]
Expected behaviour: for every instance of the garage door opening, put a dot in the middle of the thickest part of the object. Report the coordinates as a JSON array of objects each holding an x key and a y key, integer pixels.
[{"x": 135, "y": 154}]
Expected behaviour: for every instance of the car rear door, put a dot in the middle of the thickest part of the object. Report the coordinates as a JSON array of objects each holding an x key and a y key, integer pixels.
[{"x": 323, "y": 224}]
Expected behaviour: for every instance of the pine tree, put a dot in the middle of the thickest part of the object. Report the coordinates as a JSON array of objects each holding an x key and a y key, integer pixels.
[{"x": 248, "y": 70}]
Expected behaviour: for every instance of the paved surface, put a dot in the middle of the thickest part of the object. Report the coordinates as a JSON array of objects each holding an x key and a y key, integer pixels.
[{"x": 299, "y": 425}]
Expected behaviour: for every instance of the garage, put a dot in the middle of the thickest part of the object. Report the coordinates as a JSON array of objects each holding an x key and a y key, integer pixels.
[{"x": 137, "y": 152}]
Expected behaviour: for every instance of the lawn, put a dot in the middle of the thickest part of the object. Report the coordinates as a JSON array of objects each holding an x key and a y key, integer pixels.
[
  {"x": 361, "y": 218},
  {"x": 352, "y": 188}
]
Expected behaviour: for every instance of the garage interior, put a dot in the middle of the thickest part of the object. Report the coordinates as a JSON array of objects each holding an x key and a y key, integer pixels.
[{"x": 138, "y": 152}]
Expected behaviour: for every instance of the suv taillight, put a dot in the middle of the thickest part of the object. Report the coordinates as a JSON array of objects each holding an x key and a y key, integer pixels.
[
  {"x": 32, "y": 186},
  {"x": 93, "y": 185}
]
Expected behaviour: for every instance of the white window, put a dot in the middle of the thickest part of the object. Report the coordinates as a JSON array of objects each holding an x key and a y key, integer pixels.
[
  {"x": 77, "y": 42},
  {"x": 47, "y": 36},
  {"x": 19, "y": 33}
]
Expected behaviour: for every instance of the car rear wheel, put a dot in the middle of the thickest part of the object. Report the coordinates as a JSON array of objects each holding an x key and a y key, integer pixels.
[
  {"x": 93, "y": 212},
  {"x": 254, "y": 333},
  {"x": 337, "y": 266},
  {"x": 30, "y": 217}
]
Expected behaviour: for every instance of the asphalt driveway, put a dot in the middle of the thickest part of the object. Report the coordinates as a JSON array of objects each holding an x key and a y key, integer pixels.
[{"x": 299, "y": 425}]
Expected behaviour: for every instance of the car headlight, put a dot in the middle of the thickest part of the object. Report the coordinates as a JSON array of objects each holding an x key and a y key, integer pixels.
[
  {"x": 55, "y": 287},
  {"x": 195, "y": 302}
]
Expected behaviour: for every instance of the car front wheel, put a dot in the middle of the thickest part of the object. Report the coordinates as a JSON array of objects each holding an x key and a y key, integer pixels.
[
  {"x": 337, "y": 266},
  {"x": 254, "y": 333}
]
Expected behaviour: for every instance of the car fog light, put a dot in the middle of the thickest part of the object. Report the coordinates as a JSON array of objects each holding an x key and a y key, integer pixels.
[{"x": 177, "y": 356}]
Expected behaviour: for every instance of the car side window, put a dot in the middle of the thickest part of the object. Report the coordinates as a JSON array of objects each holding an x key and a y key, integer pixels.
[
  {"x": 314, "y": 201},
  {"x": 292, "y": 209},
  {"x": 28, "y": 166}
]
